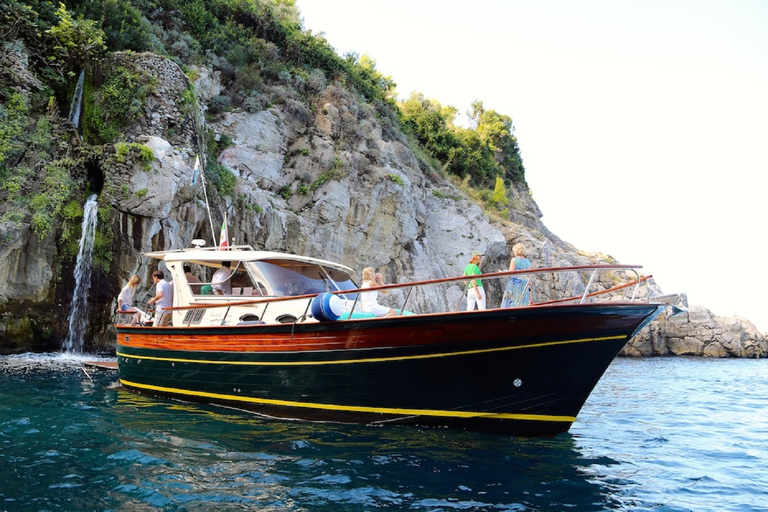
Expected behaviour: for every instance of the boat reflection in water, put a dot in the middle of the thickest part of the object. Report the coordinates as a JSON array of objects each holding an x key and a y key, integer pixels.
[
  {"x": 272, "y": 465},
  {"x": 291, "y": 342}
]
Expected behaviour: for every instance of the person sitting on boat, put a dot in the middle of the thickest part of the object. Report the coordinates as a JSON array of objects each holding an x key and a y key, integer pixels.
[
  {"x": 475, "y": 292},
  {"x": 368, "y": 300},
  {"x": 516, "y": 293},
  {"x": 163, "y": 299},
  {"x": 220, "y": 281},
  {"x": 194, "y": 282},
  {"x": 125, "y": 299}
]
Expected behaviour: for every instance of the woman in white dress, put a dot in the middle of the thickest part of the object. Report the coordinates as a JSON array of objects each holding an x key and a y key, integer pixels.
[{"x": 368, "y": 300}]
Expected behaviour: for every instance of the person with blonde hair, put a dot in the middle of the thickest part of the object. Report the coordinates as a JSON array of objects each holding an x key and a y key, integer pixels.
[
  {"x": 475, "y": 292},
  {"x": 516, "y": 292},
  {"x": 369, "y": 300},
  {"x": 125, "y": 299}
]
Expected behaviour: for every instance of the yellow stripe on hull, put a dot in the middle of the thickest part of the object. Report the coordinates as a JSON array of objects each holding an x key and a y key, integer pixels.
[{"x": 353, "y": 408}]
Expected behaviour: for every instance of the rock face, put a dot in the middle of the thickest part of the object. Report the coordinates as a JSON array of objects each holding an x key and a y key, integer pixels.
[
  {"x": 318, "y": 177},
  {"x": 14, "y": 67},
  {"x": 697, "y": 332}
]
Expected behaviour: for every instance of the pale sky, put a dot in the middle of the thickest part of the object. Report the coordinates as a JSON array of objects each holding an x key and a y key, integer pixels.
[{"x": 643, "y": 125}]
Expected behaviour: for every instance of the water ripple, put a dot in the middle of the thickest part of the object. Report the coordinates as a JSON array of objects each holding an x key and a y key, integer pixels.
[{"x": 661, "y": 434}]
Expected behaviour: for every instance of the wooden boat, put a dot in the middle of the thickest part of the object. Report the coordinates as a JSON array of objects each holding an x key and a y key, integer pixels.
[{"x": 291, "y": 342}]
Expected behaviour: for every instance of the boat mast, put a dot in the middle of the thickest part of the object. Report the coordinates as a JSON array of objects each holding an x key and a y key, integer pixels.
[{"x": 207, "y": 205}]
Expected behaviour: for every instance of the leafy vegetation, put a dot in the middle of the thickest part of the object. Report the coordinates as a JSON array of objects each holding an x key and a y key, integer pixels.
[
  {"x": 144, "y": 154},
  {"x": 221, "y": 179},
  {"x": 264, "y": 57},
  {"x": 117, "y": 102},
  {"x": 48, "y": 202},
  {"x": 13, "y": 121},
  {"x": 78, "y": 42},
  {"x": 483, "y": 152},
  {"x": 335, "y": 172}
]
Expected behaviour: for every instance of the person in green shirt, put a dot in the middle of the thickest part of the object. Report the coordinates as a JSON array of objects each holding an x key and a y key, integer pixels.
[{"x": 475, "y": 293}]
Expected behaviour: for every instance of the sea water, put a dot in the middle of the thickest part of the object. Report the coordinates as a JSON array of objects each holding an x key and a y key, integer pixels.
[{"x": 671, "y": 434}]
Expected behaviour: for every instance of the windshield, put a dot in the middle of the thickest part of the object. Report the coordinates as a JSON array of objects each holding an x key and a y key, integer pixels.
[
  {"x": 286, "y": 277},
  {"x": 231, "y": 278}
]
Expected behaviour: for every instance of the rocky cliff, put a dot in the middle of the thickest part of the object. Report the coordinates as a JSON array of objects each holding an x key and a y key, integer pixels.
[{"x": 324, "y": 177}]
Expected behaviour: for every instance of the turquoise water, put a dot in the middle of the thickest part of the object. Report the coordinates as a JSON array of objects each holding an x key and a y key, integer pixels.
[{"x": 656, "y": 434}]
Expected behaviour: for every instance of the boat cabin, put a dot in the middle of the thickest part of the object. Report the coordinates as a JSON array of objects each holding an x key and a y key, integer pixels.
[{"x": 251, "y": 292}]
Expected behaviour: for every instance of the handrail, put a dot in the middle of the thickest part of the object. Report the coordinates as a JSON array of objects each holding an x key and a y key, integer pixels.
[
  {"x": 634, "y": 283},
  {"x": 454, "y": 279}
]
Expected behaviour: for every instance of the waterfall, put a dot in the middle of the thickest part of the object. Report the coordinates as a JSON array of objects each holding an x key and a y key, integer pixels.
[
  {"x": 78, "y": 315},
  {"x": 77, "y": 101}
]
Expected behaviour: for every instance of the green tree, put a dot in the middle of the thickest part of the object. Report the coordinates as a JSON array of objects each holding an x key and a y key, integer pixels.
[
  {"x": 472, "y": 158},
  {"x": 124, "y": 26},
  {"x": 431, "y": 123},
  {"x": 79, "y": 41},
  {"x": 499, "y": 196},
  {"x": 475, "y": 111},
  {"x": 368, "y": 80},
  {"x": 479, "y": 152},
  {"x": 497, "y": 132}
]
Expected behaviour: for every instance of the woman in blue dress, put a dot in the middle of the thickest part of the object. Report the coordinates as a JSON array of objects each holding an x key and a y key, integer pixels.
[{"x": 516, "y": 293}]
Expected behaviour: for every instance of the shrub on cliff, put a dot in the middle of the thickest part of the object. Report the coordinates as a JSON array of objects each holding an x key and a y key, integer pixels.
[{"x": 486, "y": 150}]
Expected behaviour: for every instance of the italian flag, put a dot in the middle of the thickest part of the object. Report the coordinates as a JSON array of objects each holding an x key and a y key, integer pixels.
[{"x": 224, "y": 234}]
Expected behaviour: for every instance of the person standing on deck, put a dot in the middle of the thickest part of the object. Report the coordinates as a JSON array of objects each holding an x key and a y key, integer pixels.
[
  {"x": 475, "y": 292},
  {"x": 517, "y": 293},
  {"x": 163, "y": 299}
]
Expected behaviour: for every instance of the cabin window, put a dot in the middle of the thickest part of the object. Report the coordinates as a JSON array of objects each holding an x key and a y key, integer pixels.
[
  {"x": 240, "y": 281},
  {"x": 289, "y": 278}
]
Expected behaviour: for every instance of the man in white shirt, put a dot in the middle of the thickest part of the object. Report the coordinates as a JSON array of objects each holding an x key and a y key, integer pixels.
[{"x": 163, "y": 299}]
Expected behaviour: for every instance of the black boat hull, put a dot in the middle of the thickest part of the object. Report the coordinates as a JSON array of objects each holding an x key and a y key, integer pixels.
[{"x": 524, "y": 371}]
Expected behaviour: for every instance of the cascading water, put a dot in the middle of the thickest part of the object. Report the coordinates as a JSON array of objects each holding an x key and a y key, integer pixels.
[
  {"x": 77, "y": 101},
  {"x": 78, "y": 316}
]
